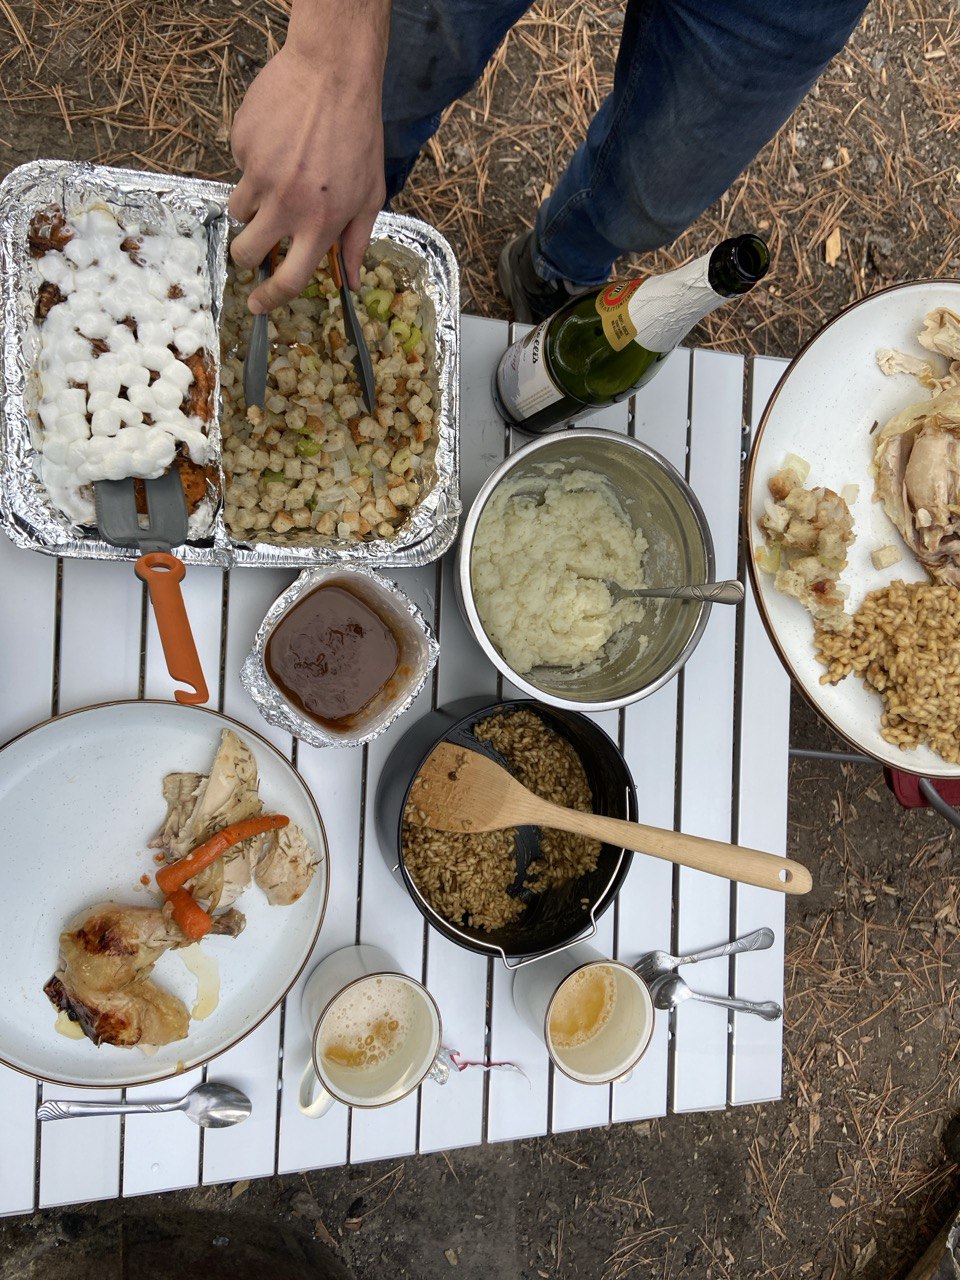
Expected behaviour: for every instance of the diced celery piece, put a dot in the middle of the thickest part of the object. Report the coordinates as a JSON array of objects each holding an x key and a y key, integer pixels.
[
  {"x": 312, "y": 290},
  {"x": 377, "y": 302},
  {"x": 307, "y": 446},
  {"x": 272, "y": 477},
  {"x": 399, "y": 330},
  {"x": 415, "y": 336}
]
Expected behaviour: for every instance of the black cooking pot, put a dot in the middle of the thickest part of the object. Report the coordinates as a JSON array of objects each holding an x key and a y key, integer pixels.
[{"x": 556, "y": 918}]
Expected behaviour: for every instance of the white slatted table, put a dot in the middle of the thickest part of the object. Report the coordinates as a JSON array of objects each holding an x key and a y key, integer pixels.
[{"x": 708, "y": 753}]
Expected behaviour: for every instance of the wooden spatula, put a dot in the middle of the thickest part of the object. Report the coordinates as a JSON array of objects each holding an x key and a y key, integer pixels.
[{"x": 460, "y": 790}]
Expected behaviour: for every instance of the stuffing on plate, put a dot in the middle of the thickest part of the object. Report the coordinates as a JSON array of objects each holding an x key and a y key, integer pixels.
[
  {"x": 806, "y": 534},
  {"x": 313, "y": 465}
]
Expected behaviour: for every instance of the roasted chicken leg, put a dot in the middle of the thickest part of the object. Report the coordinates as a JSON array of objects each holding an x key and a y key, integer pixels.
[{"x": 103, "y": 983}]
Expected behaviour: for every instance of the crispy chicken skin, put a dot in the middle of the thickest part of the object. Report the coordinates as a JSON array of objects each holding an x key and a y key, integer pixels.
[{"x": 103, "y": 983}]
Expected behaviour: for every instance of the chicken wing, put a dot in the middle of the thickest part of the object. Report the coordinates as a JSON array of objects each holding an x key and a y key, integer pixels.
[{"x": 103, "y": 983}]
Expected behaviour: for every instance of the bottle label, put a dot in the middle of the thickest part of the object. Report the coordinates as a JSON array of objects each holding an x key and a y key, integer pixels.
[
  {"x": 613, "y": 308},
  {"x": 523, "y": 380}
]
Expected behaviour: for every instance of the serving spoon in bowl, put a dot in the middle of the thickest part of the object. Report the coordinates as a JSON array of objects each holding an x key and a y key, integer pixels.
[{"x": 461, "y": 790}]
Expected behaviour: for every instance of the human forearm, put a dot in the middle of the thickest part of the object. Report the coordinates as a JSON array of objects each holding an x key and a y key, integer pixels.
[{"x": 308, "y": 137}]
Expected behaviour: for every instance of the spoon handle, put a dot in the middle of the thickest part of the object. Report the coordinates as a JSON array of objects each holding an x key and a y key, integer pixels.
[
  {"x": 710, "y": 592},
  {"x": 62, "y": 1109},
  {"x": 749, "y": 866},
  {"x": 759, "y": 940},
  {"x": 768, "y": 1009}
]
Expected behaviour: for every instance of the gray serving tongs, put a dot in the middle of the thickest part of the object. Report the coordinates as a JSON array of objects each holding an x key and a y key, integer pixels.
[{"x": 258, "y": 349}]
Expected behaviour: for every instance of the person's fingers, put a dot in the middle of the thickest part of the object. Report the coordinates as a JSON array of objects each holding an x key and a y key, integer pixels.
[
  {"x": 257, "y": 238},
  {"x": 354, "y": 240},
  {"x": 292, "y": 276},
  {"x": 245, "y": 200}
]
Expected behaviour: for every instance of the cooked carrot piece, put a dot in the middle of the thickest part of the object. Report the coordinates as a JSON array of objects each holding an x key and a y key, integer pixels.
[
  {"x": 176, "y": 875},
  {"x": 189, "y": 915}
]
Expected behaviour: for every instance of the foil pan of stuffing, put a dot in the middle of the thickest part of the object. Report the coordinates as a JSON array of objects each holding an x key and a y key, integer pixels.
[
  {"x": 150, "y": 203},
  {"x": 417, "y": 253},
  {"x": 422, "y": 261},
  {"x": 417, "y": 653}
]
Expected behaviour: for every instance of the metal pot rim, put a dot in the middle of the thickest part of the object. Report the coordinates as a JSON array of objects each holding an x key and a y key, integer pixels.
[{"x": 465, "y": 554}]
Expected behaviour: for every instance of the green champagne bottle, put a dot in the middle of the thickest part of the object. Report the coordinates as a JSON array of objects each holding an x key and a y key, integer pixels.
[{"x": 602, "y": 346}]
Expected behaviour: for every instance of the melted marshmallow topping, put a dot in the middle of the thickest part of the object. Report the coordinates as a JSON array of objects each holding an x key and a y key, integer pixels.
[{"x": 112, "y": 355}]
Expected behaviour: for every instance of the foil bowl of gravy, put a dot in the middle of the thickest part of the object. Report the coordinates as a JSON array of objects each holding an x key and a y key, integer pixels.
[{"x": 338, "y": 657}]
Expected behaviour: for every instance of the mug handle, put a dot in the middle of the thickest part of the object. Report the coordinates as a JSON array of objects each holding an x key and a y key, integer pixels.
[{"x": 313, "y": 1103}]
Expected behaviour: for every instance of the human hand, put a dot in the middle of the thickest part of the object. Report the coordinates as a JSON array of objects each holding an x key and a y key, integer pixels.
[{"x": 309, "y": 139}]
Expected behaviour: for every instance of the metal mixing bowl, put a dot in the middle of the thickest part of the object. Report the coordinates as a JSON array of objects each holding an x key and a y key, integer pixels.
[{"x": 660, "y": 502}]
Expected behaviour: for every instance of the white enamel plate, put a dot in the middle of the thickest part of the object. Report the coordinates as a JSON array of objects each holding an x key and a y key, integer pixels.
[
  {"x": 80, "y": 797},
  {"x": 822, "y": 410}
]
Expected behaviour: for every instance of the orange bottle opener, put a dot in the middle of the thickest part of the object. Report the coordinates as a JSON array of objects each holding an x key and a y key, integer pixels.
[{"x": 163, "y": 574}]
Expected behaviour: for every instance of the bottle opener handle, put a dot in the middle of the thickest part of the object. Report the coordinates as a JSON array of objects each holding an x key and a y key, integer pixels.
[{"x": 163, "y": 574}]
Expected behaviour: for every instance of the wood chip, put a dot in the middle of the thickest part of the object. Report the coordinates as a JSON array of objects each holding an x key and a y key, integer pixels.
[
  {"x": 451, "y": 1257},
  {"x": 836, "y": 1202},
  {"x": 239, "y": 1188},
  {"x": 833, "y": 247}
]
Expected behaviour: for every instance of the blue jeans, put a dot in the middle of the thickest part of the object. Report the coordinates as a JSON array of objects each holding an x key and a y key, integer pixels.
[{"x": 700, "y": 87}]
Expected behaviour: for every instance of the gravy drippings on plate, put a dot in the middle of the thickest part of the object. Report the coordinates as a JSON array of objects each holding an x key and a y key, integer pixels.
[{"x": 331, "y": 655}]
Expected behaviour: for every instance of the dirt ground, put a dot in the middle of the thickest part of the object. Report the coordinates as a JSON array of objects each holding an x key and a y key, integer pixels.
[{"x": 846, "y": 1176}]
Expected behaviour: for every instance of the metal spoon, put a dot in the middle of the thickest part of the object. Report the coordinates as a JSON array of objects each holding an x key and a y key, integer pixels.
[
  {"x": 258, "y": 349},
  {"x": 659, "y": 964},
  {"x": 730, "y": 592},
  {"x": 212, "y": 1106},
  {"x": 669, "y": 992}
]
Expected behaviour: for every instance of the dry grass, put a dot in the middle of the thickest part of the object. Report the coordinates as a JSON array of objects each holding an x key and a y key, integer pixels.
[{"x": 846, "y": 1177}]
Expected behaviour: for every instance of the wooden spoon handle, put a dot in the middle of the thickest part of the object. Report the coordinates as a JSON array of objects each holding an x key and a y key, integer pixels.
[{"x": 749, "y": 866}]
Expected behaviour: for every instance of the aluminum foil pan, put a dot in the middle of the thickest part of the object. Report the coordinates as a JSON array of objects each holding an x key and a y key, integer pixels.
[
  {"x": 418, "y": 655},
  {"x": 26, "y": 514}
]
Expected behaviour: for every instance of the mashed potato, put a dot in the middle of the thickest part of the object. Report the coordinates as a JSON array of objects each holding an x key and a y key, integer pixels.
[{"x": 539, "y": 560}]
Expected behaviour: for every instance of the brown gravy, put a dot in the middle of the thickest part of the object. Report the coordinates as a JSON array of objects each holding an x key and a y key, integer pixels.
[{"x": 331, "y": 655}]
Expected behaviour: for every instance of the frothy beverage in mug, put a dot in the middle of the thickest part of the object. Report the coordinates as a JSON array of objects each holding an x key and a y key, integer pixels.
[
  {"x": 369, "y": 1023},
  {"x": 583, "y": 1006}
]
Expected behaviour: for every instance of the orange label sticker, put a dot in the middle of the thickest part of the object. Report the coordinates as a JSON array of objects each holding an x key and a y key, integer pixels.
[{"x": 613, "y": 308}]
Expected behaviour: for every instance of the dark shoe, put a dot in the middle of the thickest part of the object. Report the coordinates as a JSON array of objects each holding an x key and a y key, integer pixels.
[{"x": 532, "y": 297}]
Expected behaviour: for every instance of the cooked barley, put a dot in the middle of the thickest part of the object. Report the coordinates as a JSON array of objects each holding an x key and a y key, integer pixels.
[
  {"x": 467, "y": 878},
  {"x": 903, "y": 643}
]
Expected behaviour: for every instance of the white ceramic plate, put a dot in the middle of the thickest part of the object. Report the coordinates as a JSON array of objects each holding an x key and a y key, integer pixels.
[
  {"x": 79, "y": 799},
  {"x": 822, "y": 410}
]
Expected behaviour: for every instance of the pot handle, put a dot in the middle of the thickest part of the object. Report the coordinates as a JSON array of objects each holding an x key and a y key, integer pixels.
[{"x": 554, "y": 951}]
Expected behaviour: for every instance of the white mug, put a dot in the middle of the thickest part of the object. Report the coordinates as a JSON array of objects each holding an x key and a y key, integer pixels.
[
  {"x": 374, "y": 1032},
  {"x": 594, "y": 1015}
]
